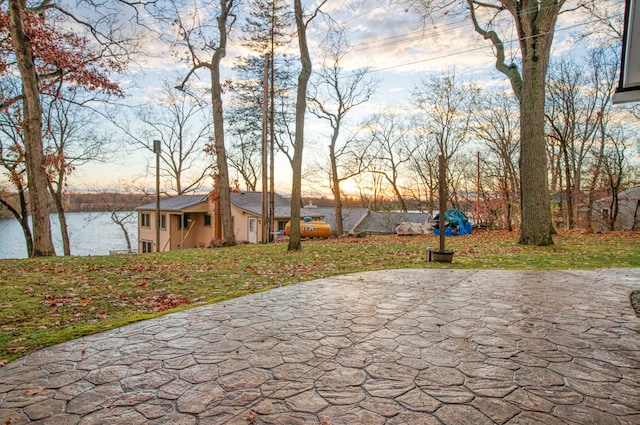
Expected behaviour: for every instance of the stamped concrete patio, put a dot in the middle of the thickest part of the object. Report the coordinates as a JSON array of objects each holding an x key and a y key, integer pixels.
[{"x": 387, "y": 347}]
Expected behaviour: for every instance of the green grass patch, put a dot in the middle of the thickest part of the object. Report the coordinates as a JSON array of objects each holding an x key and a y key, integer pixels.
[{"x": 45, "y": 301}]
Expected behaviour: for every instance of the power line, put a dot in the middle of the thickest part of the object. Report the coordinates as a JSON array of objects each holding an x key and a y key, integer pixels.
[
  {"x": 426, "y": 34},
  {"x": 512, "y": 41}
]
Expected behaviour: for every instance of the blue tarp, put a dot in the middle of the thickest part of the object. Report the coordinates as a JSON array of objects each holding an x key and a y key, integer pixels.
[{"x": 457, "y": 225}]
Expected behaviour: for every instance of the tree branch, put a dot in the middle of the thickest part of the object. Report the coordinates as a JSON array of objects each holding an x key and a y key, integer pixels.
[{"x": 510, "y": 70}]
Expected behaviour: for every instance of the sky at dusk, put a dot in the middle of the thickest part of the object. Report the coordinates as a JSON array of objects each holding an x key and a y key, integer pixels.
[{"x": 395, "y": 43}]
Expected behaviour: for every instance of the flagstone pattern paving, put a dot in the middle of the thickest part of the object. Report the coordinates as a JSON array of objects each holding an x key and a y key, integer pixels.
[{"x": 387, "y": 347}]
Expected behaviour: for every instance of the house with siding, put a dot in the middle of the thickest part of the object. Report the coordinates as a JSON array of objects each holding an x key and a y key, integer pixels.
[
  {"x": 628, "y": 211},
  {"x": 190, "y": 221}
]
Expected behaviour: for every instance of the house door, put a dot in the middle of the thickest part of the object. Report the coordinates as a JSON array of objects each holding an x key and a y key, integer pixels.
[{"x": 253, "y": 230}]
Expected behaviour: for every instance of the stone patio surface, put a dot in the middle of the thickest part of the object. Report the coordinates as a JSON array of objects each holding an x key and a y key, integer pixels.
[{"x": 389, "y": 347}]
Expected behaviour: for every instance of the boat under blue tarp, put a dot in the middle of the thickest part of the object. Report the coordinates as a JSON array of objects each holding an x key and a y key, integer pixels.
[{"x": 456, "y": 223}]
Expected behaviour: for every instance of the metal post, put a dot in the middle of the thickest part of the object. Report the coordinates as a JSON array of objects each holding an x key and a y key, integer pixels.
[
  {"x": 156, "y": 149},
  {"x": 443, "y": 202}
]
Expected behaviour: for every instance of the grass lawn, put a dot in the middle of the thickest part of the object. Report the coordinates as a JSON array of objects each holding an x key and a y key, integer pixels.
[{"x": 49, "y": 300}]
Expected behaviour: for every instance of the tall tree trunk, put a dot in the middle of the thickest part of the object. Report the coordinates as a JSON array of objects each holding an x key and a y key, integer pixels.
[
  {"x": 34, "y": 152},
  {"x": 301, "y": 107},
  {"x": 224, "y": 192},
  {"x": 535, "y": 30},
  {"x": 535, "y": 22},
  {"x": 536, "y": 208}
]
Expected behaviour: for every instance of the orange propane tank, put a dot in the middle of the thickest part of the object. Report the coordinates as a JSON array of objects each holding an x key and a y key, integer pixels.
[{"x": 311, "y": 229}]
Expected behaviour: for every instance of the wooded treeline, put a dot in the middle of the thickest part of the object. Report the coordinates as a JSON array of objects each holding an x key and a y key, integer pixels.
[{"x": 92, "y": 202}]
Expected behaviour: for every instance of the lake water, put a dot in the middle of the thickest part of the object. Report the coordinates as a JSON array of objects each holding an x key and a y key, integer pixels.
[{"x": 90, "y": 234}]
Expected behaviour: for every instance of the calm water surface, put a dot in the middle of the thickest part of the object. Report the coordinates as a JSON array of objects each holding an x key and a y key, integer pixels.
[{"x": 90, "y": 234}]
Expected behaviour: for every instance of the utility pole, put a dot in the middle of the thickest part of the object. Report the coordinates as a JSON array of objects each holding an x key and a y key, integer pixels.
[
  {"x": 156, "y": 150},
  {"x": 265, "y": 101},
  {"x": 272, "y": 131}
]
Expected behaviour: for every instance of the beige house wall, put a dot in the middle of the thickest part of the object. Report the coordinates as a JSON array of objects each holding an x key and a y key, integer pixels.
[
  {"x": 148, "y": 233},
  {"x": 195, "y": 234},
  {"x": 241, "y": 224},
  {"x": 145, "y": 233}
]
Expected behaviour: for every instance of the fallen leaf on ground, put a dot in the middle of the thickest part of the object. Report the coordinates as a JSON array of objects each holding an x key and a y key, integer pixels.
[{"x": 34, "y": 391}]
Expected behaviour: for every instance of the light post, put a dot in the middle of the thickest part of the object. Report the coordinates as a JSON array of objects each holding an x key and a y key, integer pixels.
[{"x": 156, "y": 150}]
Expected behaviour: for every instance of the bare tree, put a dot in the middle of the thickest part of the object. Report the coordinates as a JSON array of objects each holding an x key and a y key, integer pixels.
[
  {"x": 615, "y": 171},
  {"x": 122, "y": 208},
  {"x": 182, "y": 122},
  {"x": 606, "y": 29},
  {"x": 302, "y": 23},
  {"x": 496, "y": 125},
  {"x": 534, "y": 22},
  {"x": 578, "y": 104},
  {"x": 71, "y": 141},
  {"x": 204, "y": 37},
  {"x": 334, "y": 94},
  {"x": 12, "y": 160},
  {"x": 34, "y": 152},
  {"x": 388, "y": 154},
  {"x": 244, "y": 153},
  {"x": 47, "y": 55},
  {"x": 371, "y": 190},
  {"x": 445, "y": 108},
  {"x": 423, "y": 168}
]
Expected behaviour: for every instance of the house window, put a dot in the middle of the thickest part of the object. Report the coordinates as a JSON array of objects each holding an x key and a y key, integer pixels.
[
  {"x": 184, "y": 221},
  {"x": 145, "y": 220},
  {"x": 281, "y": 225},
  {"x": 147, "y": 246},
  {"x": 207, "y": 220},
  {"x": 163, "y": 222}
]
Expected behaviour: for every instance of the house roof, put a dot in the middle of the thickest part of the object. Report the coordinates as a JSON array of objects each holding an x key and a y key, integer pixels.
[
  {"x": 353, "y": 219},
  {"x": 386, "y": 221},
  {"x": 626, "y": 195},
  {"x": 252, "y": 202},
  {"x": 176, "y": 203}
]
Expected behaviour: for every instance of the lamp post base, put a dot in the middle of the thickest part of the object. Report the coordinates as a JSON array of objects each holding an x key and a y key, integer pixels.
[{"x": 439, "y": 256}]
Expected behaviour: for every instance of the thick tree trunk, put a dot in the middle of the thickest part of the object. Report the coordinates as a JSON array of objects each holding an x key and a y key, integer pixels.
[
  {"x": 535, "y": 22},
  {"x": 34, "y": 154},
  {"x": 536, "y": 223},
  {"x": 535, "y": 29}
]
